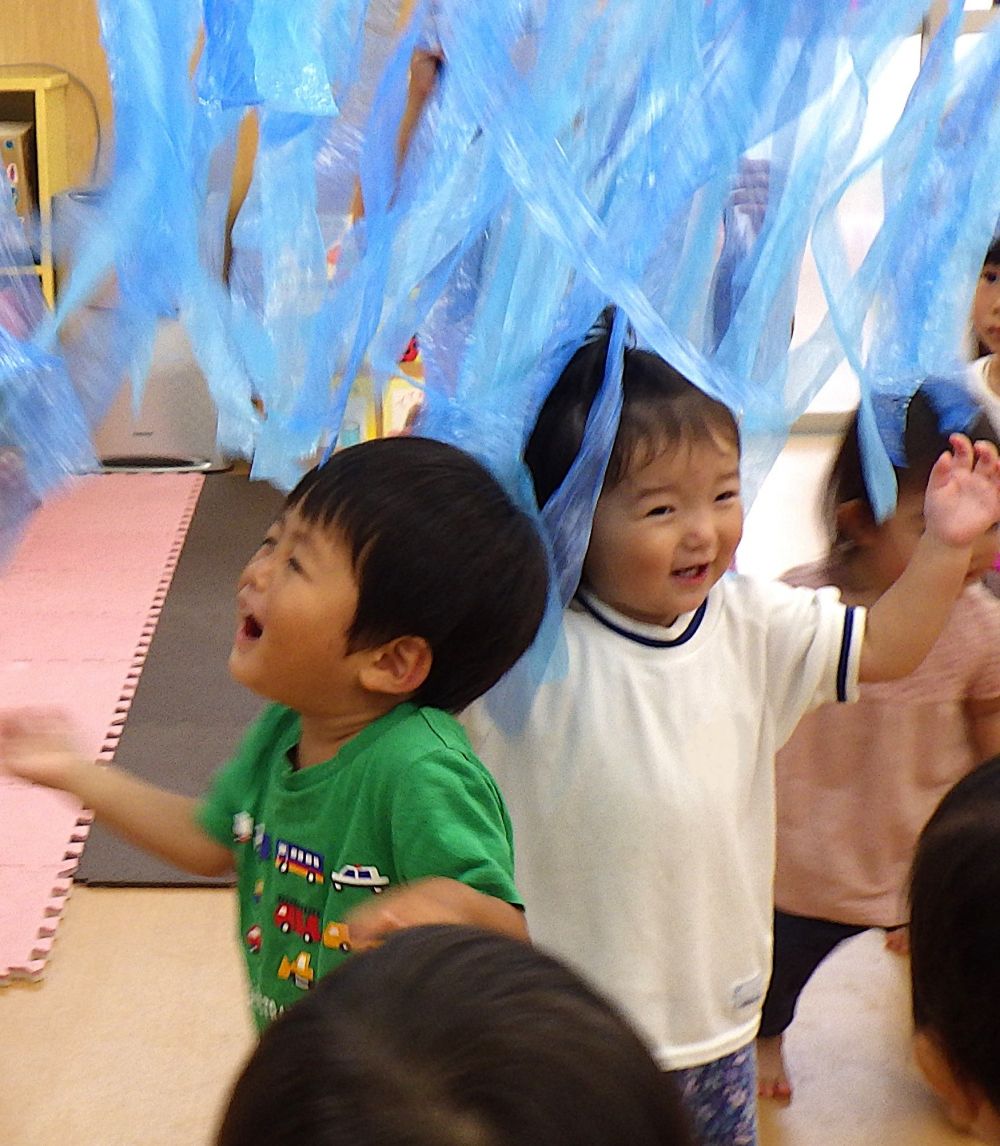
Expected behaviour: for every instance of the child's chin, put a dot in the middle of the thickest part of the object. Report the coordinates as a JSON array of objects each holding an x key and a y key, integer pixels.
[{"x": 239, "y": 670}]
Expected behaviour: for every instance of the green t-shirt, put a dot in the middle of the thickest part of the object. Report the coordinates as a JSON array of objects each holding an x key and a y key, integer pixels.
[{"x": 405, "y": 798}]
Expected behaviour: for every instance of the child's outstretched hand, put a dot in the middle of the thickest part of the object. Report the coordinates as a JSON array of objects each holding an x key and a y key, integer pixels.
[
  {"x": 963, "y": 492},
  {"x": 37, "y": 745}
]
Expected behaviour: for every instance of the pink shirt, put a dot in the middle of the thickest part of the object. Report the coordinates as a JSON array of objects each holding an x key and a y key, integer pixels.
[{"x": 857, "y": 782}]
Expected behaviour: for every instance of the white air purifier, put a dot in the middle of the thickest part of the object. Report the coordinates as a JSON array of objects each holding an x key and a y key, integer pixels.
[{"x": 175, "y": 426}]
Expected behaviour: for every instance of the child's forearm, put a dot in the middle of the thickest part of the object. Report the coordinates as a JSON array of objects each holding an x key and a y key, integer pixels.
[
  {"x": 152, "y": 818},
  {"x": 908, "y": 618},
  {"x": 433, "y": 900}
]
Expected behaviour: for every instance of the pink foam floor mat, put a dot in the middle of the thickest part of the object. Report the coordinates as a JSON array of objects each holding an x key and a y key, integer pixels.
[{"x": 79, "y": 601}]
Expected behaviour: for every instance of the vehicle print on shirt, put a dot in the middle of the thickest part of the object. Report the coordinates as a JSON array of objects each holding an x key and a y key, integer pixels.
[
  {"x": 289, "y": 857},
  {"x": 299, "y": 970},
  {"x": 337, "y": 935},
  {"x": 359, "y": 875},
  {"x": 261, "y": 842},
  {"x": 242, "y": 827},
  {"x": 291, "y": 916},
  {"x": 254, "y": 938}
]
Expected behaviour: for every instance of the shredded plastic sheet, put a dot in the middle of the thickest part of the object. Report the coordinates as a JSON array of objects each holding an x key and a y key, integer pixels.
[
  {"x": 44, "y": 434},
  {"x": 676, "y": 159}
]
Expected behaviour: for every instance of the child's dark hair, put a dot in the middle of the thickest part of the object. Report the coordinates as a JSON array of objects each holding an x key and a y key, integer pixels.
[
  {"x": 440, "y": 552},
  {"x": 955, "y": 929},
  {"x": 924, "y": 440},
  {"x": 451, "y": 1036},
  {"x": 992, "y": 260},
  {"x": 660, "y": 409}
]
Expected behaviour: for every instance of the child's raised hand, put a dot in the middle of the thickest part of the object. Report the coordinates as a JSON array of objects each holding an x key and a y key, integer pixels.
[
  {"x": 37, "y": 745},
  {"x": 963, "y": 492}
]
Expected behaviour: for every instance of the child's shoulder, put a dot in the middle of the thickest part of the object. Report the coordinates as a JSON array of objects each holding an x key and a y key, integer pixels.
[
  {"x": 430, "y": 746},
  {"x": 977, "y": 611},
  {"x": 423, "y": 730}
]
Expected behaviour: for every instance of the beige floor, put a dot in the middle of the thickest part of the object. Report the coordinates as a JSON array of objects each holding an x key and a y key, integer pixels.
[{"x": 139, "y": 1026}]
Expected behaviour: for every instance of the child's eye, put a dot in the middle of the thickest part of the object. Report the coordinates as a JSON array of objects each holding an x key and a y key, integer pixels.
[
  {"x": 990, "y": 276},
  {"x": 659, "y": 511},
  {"x": 728, "y": 495},
  {"x": 294, "y": 564},
  {"x": 265, "y": 546}
]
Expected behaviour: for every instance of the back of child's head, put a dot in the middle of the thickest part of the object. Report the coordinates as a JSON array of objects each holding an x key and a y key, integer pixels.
[
  {"x": 440, "y": 552},
  {"x": 955, "y": 930},
  {"x": 450, "y": 1036},
  {"x": 927, "y": 426},
  {"x": 661, "y": 410}
]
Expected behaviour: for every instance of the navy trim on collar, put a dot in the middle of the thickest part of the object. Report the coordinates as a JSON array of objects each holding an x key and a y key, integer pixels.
[{"x": 641, "y": 639}]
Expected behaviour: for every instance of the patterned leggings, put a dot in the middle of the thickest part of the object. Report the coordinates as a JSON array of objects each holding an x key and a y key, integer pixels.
[{"x": 721, "y": 1099}]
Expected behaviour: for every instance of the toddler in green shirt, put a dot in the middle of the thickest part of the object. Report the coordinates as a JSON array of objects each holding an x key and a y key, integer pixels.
[{"x": 399, "y": 584}]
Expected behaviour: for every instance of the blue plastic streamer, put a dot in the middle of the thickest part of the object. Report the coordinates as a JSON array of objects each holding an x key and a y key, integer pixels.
[{"x": 567, "y": 158}]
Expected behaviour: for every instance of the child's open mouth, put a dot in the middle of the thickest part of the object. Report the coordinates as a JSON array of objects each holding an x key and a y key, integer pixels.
[
  {"x": 691, "y": 573},
  {"x": 250, "y": 629}
]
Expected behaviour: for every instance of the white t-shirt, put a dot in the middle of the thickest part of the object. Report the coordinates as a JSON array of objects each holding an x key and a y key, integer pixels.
[{"x": 641, "y": 789}]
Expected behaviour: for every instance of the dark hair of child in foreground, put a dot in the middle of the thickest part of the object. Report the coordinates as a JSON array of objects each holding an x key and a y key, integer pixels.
[
  {"x": 955, "y": 951},
  {"x": 451, "y": 1036}
]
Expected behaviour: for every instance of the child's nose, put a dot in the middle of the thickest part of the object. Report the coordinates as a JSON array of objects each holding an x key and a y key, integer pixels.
[
  {"x": 700, "y": 527},
  {"x": 256, "y": 571}
]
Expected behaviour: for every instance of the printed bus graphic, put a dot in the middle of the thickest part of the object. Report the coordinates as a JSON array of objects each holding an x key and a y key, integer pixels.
[{"x": 289, "y": 857}]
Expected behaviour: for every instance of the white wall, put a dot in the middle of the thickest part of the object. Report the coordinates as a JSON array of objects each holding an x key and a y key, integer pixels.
[{"x": 783, "y": 527}]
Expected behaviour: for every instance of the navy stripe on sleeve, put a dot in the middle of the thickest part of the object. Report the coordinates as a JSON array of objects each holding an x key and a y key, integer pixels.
[{"x": 845, "y": 653}]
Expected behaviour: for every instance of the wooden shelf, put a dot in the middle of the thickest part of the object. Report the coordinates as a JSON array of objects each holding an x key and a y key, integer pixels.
[{"x": 38, "y": 94}]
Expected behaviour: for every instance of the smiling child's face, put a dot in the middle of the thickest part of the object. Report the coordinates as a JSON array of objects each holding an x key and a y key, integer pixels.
[
  {"x": 665, "y": 534},
  {"x": 297, "y": 597}
]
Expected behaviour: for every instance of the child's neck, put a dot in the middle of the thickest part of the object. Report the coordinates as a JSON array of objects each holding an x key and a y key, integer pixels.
[
  {"x": 322, "y": 737},
  {"x": 852, "y": 574}
]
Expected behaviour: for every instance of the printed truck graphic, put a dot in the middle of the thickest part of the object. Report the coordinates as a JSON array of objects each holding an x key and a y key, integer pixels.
[
  {"x": 291, "y": 917},
  {"x": 358, "y": 875},
  {"x": 289, "y": 857},
  {"x": 299, "y": 970},
  {"x": 337, "y": 935}
]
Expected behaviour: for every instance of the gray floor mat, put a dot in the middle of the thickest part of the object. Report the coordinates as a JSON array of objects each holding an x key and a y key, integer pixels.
[{"x": 187, "y": 715}]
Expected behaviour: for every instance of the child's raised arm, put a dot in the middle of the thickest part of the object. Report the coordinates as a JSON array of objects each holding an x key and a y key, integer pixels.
[
  {"x": 37, "y": 746},
  {"x": 961, "y": 503}
]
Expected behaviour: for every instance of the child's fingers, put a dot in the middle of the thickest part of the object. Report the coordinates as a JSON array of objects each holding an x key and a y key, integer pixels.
[
  {"x": 987, "y": 457},
  {"x": 962, "y": 451}
]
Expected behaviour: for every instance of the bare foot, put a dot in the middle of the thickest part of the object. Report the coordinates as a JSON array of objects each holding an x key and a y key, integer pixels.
[
  {"x": 898, "y": 941},
  {"x": 772, "y": 1076}
]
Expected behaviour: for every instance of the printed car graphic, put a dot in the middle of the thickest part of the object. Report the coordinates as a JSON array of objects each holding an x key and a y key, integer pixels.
[
  {"x": 359, "y": 875},
  {"x": 242, "y": 827}
]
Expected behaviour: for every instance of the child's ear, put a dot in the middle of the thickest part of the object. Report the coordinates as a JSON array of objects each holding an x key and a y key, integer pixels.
[
  {"x": 855, "y": 522},
  {"x": 397, "y": 668},
  {"x": 962, "y": 1101}
]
